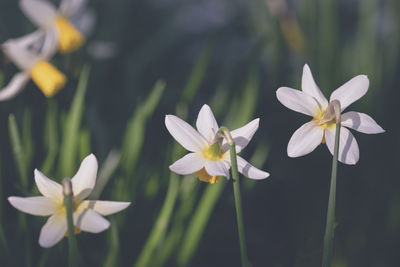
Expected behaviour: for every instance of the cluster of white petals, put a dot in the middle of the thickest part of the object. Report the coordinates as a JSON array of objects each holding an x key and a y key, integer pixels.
[
  {"x": 26, "y": 52},
  {"x": 87, "y": 214},
  {"x": 58, "y": 30},
  {"x": 200, "y": 143},
  {"x": 310, "y": 101},
  {"x": 46, "y": 16}
]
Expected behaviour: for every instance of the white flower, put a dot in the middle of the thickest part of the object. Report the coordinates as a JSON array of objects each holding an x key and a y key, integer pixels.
[
  {"x": 59, "y": 22},
  {"x": 31, "y": 54},
  {"x": 312, "y": 102},
  {"x": 209, "y": 157},
  {"x": 87, "y": 214}
]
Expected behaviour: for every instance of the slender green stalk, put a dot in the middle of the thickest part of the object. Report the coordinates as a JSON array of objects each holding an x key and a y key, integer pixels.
[
  {"x": 330, "y": 217},
  {"x": 238, "y": 199},
  {"x": 73, "y": 256}
]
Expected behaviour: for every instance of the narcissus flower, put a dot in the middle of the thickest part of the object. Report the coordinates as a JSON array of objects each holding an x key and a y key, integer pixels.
[
  {"x": 322, "y": 127},
  {"x": 209, "y": 157},
  {"x": 44, "y": 15},
  {"x": 31, "y": 54},
  {"x": 87, "y": 214}
]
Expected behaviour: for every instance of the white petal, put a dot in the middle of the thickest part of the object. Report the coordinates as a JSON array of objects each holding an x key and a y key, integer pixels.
[
  {"x": 361, "y": 122},
  {"x": 250, "y": 171},
  {"x": 53, "y": 231},
  {"x": 90, "y": 221},
  {"x": 348, "y": 147},
  {"x": 206, "y": 123},
  {"x": 309, "y": 86},
  {"x": 305, "y": 139},
  {"x": 48, "y": 187},
  {"x": 30, "y": 38},
  {"x": 188, "y": 164},
  {"x": 41, "y": 13},
  {"x": 242, "y": 136},
  {"x": 50, "y": 44},
  {"x": 85, "y": 179},
  {"x": 104, "y": 207},
  {"x": 184, "y": 134},
  {"x": 71, "y": 7},
  {"x": 298, "y": 101},
  {"x": 16, "y": 85},
  {"x": 85, "y": 22},
  {"x": 351, "y": 91},
  {"x": 217, "y": 168},
  {"x": 18, "y": 51},
  {"x": 39, "y": 206}
]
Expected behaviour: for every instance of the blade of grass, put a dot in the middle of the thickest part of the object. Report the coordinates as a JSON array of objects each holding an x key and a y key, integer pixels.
[
  {"x": 50, "y": 136},
  {"x": 107, "y": 169},
  {"x": 197, "y": 74},
  {"x": 27, "y": 142},
  {"x": 136, "y": 129},
  {"x": 198, "y": 222},
  {"x": 327, "y": 42},
  {"x": 69, "y": 142},
  {"x": 113, "y": 241},
  {"x": 84, "y": 143},
  {"x": 160, "y": 224},
  {"x": 19, "y": 156},
  {"x": 3, "y": 239}
]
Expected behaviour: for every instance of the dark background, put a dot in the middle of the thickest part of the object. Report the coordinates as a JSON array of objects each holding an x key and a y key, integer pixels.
[{"x": 262, "y": 44}]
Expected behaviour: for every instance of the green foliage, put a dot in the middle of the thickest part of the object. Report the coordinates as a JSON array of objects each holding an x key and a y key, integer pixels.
[{"x": 70, "y": 134}]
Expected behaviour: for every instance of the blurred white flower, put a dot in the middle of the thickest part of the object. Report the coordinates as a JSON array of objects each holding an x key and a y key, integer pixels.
[
  {"x": 102, "y": 50},
  {"x": 209, "y": 157},
  {"x": 44, "y": 15},
  {"x": 31, "y": 54},
  {"x": 87, "y": 214},
  {"x": 321, "y": 129}
]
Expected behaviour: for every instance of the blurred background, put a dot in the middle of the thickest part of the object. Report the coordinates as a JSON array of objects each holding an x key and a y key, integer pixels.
[{"x": 145, "y": 59}]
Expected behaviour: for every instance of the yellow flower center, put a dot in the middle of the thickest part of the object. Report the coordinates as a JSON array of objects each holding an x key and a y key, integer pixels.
[
  {"x": 326, "y": 125},
  {"x": 69, "y": 38},
  {"x": 205, "y": 177},
  {"x": 319, "y": 118},
  {"x": 76, "y": 207},
  {"x": 213, "y": 152},
  {"x": 49, "y": 79}
]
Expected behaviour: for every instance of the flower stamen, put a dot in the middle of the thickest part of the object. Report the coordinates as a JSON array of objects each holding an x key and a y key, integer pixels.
[{"x": 213, "y": 152}]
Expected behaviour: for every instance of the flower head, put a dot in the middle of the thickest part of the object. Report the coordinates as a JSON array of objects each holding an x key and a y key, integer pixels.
[
  {"x": 321, "y": 129},
  {"x": 209, "y": 157},
  {"x": 44, "y": 15},
  {"x": 87, "y": 214},
  {"x": 31, "y": 54}
]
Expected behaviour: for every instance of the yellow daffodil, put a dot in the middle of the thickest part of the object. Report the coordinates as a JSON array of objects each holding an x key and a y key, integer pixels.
[
  {"x": 87, "y": 214},
  {"x": 209, "y": 157},
  {"x": 321, "y": 129},
  {"x": 44, "y": 15},
  {"x": 31, "y": 54}
]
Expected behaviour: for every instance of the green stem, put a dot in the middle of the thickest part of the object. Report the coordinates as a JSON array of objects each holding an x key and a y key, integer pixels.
[
  {"x": 330, "y": 217},
  {"x": 73, "y": 257},
  {"x": 238, "y": 200}
]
